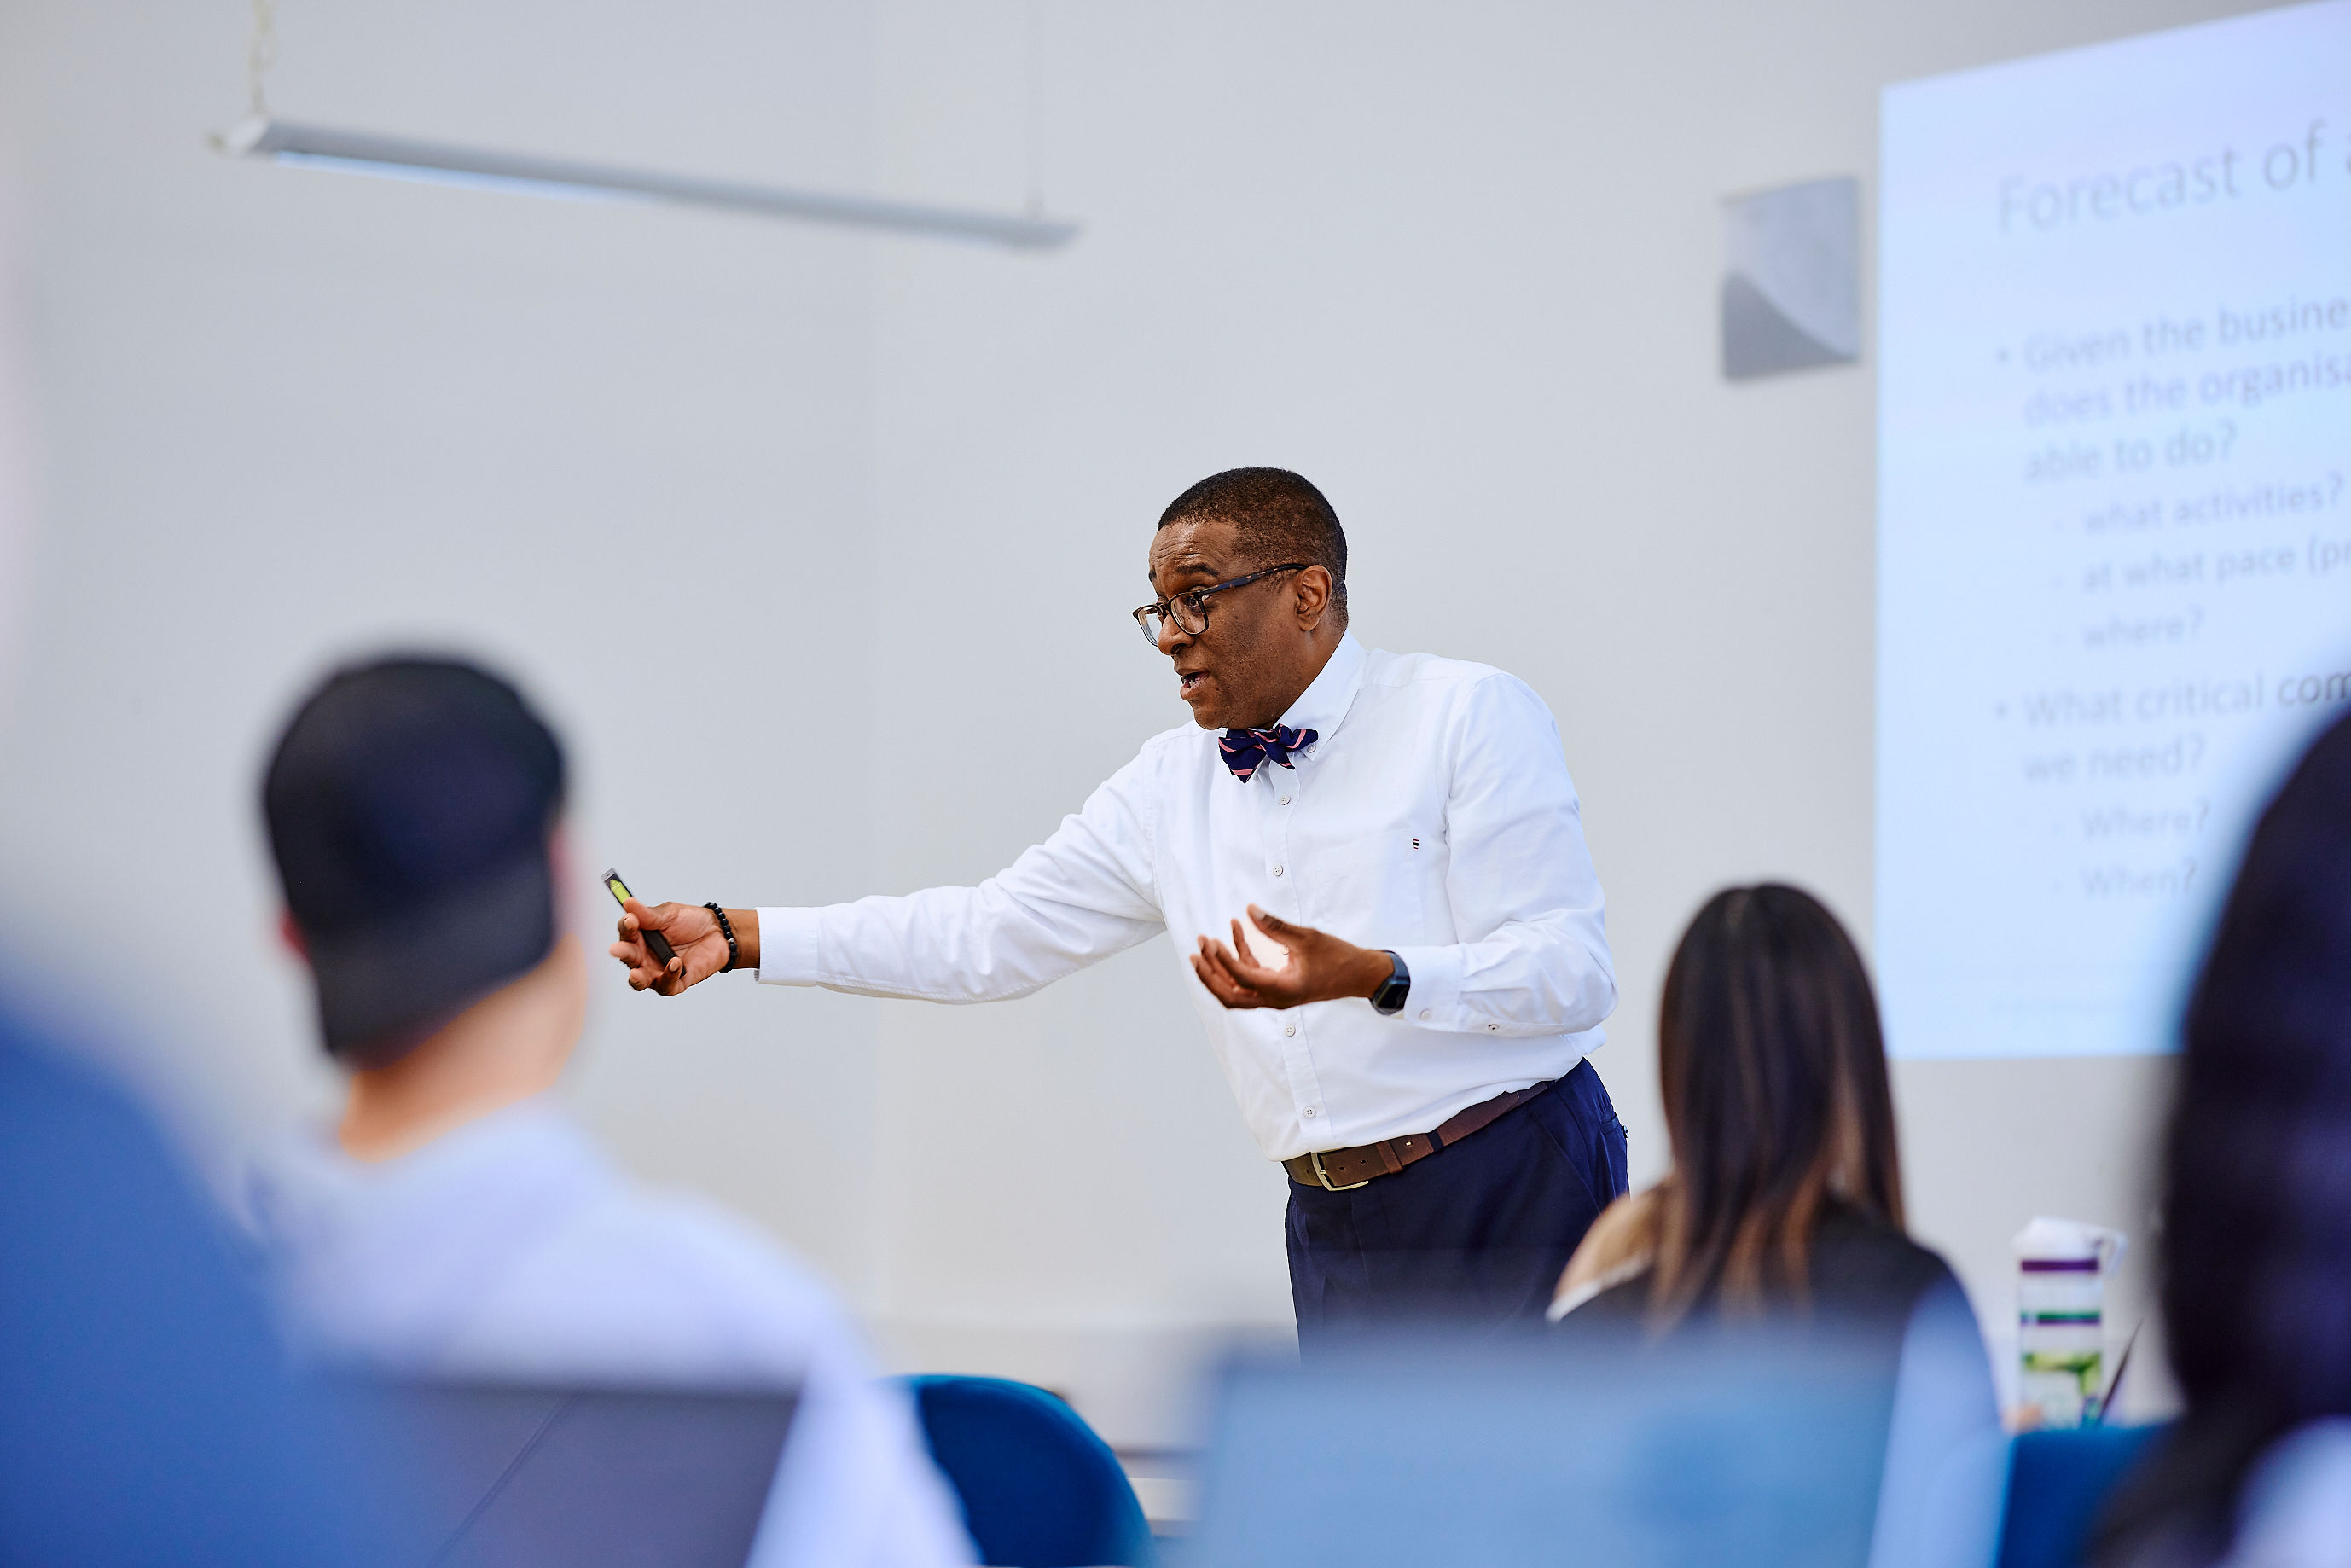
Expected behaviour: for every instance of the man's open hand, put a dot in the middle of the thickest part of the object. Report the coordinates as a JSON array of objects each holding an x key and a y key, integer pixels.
[
  {"x": 1321, "y": 968},
  {"x": 693, "y": 936}
]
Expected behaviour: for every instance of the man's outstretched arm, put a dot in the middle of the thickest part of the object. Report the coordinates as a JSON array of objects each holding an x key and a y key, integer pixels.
[{"x": 1082, "y": 894}]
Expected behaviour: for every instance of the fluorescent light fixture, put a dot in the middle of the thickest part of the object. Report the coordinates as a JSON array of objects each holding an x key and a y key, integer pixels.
[{"x": 398, "y": 158}]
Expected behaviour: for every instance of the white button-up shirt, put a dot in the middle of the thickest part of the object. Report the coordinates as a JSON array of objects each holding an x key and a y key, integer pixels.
[{"x": 1433, "y": 816}]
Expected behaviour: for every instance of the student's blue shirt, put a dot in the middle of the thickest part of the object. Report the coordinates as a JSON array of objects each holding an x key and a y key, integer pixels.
[{"x": 145, "y": 1414}]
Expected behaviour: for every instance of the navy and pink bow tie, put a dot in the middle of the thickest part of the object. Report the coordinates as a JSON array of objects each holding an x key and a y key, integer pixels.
[{"x": 1244, "y": 749}]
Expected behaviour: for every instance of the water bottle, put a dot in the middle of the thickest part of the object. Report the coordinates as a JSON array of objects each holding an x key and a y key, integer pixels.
[{"x": 2061, "y": 1289}]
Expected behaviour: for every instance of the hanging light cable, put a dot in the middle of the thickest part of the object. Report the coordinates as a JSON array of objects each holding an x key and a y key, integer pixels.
[
  {"x": 261, "y": 54},
  {"x": 263, "y": 135}
]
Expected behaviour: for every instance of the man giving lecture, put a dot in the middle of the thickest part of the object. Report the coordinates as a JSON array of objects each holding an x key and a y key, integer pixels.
[{"x": 1404, "y": 1018}]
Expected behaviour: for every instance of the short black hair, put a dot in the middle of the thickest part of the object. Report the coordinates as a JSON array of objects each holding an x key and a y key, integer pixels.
[
  {"x": 1279, "y": 516},
  {"x": 409, "y": 803}
]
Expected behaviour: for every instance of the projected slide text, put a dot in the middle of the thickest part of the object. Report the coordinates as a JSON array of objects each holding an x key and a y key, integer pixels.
[{"x": 2114, "y": 538}]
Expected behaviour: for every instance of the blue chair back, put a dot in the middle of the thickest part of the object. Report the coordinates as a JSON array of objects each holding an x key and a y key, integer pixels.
[
  {"x": 2057, "y": 1483},
  {"x": 1039, "y": 1489}
]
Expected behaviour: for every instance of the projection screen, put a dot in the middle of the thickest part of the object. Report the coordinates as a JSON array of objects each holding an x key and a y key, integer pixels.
[{"x": 2113, "y": 541}]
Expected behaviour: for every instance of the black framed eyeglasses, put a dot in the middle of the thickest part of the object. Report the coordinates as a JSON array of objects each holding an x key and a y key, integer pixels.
[{"x": 1189, "y": 608}]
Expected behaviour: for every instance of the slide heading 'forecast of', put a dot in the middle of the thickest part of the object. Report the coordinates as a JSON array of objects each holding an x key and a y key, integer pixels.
[{"x": 2113, "y": 537}]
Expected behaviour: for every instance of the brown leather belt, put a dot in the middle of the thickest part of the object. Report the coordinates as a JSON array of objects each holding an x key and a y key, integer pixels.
[{"x": 1339, "y": 1170}]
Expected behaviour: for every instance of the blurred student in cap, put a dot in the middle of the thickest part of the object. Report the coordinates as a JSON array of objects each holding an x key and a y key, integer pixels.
[{"x": 454, "y": 1220}]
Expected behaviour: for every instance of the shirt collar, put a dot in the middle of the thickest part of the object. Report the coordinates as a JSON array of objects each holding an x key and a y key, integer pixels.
[{"x": 1322, "y": 706}]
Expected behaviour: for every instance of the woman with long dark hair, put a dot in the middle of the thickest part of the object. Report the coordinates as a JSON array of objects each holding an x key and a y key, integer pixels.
[
  {"x": 1784, "y": 1205},
  {"x": 2256, "y": 1250},
  {"x": 1786, "y": 1190}
]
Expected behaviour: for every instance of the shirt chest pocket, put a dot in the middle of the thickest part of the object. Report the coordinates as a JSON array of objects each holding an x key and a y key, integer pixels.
[{"x": 1373, "y": 890}]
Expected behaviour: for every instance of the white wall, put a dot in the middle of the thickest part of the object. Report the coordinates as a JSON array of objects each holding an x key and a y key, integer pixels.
[
  {"x": 1457, "y": 265},
  {"x": 18, "y": 484},
  {"x": 626, "y": 454},
  {"x": 819, "y": 547}
]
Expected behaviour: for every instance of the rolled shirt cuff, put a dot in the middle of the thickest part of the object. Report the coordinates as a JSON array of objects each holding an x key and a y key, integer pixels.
[
  {"x": 788, "y": 947},
  {"x": 1435, "y": 999}
]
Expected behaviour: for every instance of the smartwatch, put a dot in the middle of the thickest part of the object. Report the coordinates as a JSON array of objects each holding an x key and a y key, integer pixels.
[{"x": 1388, "y": 1000}]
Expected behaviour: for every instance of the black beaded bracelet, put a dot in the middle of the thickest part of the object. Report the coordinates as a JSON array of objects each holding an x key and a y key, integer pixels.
[{"x": 725, "y": 929}]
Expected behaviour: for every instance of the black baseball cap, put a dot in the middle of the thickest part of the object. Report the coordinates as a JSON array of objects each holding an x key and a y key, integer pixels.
[{"x": 409, "y": 804}]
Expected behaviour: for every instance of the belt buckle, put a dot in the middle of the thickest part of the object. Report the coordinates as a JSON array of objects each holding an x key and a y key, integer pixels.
[{"x": 1324, "y": 1177}]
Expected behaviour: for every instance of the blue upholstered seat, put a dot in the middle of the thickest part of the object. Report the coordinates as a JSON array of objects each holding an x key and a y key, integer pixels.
[
  {"x": 1039, "y": 1489},
  {"x": 2057, "y": 1482}
]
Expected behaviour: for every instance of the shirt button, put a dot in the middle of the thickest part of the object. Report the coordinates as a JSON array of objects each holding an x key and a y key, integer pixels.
[
  {"x": 1492, "y": 1027},
  {"x": 1289, "y": 1029},
  {"x": 1425, "y": 1015},
  {"x": 1276, "y": 870},
  {"x": 1283, "y": 801},
  {"x": 1309, "y": 1112}
]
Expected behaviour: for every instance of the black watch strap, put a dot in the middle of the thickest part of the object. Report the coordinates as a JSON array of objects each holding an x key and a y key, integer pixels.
[{"x": 1389, "y": 998}]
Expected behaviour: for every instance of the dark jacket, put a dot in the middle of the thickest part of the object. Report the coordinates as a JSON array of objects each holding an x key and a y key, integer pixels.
[{"x": 1862, "y": 1273}]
